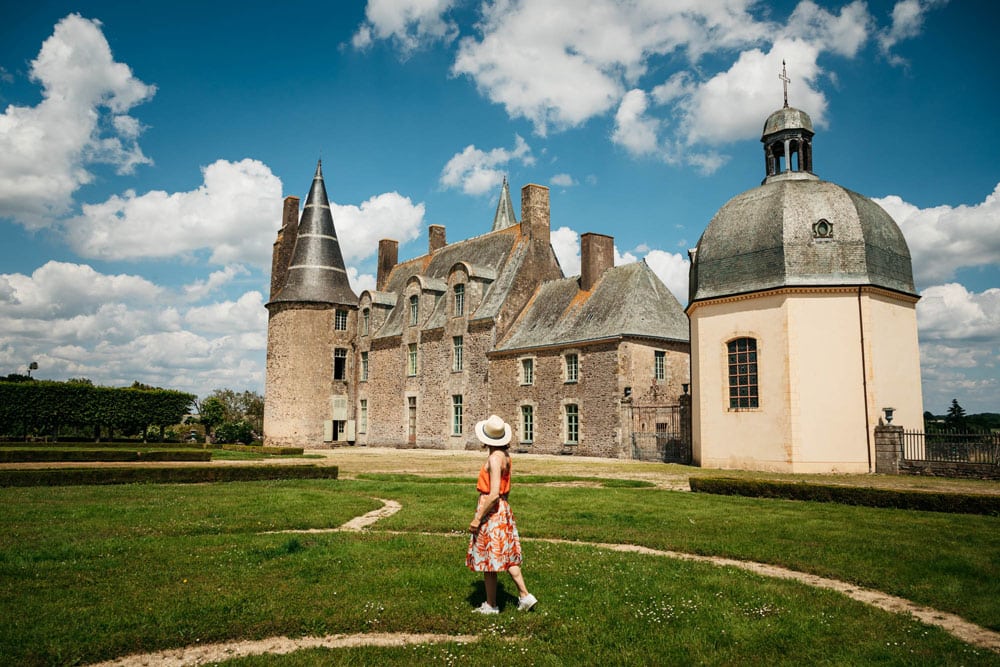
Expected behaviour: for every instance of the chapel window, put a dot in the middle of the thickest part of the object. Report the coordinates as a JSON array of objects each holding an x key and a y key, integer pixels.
[{"x": 742, "y": 362}]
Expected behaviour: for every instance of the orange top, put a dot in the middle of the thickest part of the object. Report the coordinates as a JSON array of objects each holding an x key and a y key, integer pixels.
[{"x": 483, "y": 484}]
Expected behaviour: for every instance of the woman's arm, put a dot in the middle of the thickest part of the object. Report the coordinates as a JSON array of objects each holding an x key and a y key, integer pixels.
[{"x": 487, "y": 501}]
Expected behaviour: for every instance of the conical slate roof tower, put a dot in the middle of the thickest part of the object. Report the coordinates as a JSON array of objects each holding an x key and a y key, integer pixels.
[
  {"x": 316, "y": 272},
  {"x": 505, "y": 209}
]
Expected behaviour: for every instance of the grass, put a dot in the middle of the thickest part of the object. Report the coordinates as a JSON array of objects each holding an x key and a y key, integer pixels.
[{"x": 91, "y": 573}]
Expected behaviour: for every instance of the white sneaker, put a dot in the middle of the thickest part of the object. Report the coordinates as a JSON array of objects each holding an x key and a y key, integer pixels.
[
  {"x": 527, "y": 602},
  {"x": 485, "y": 608}
]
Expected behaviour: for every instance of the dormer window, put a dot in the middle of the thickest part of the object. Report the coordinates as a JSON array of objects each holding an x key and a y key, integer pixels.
[
  {"x": 459, "y": 300},
  {"x": 414, "y": 310}
]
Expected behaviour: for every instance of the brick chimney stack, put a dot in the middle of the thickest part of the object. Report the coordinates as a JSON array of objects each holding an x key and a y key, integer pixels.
[
  {"x": 435, "y": 238},
  {"x": 597, "y": 255},
  {"x": 388, "y": 254},
  {"x": 284, "y": 244},
  {"x": 535, "y": 212}
]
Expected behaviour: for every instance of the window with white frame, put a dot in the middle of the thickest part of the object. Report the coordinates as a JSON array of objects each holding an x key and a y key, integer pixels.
[
  {"x": 363, "y": 417},
  {"x": 456, "y": 414},
  {"x": 527, "y": 423},
  {"x": 411, "y": 359},
  {"x": 527, "y": 371},
  {"x": 364, "y": 366},
  {"x": 340, "y": 363},
  {"x": 459, "y": 300},
  {"x": 340, "y": 320},
  {"x": 457, "y": 344},
  {"x": 572, "y": 367},
  {"x": 366, "y": 317},
  {"x": 414, "y": 310},
  {"x": 660, "y": 365},
  {"x": 572, "y": 423}
]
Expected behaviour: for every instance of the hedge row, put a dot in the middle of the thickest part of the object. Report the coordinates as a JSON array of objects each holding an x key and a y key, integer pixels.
[
  {"x": 278, "y": 451},
  {"x": 52, "y": 455},
  {"x": 161, "y": 475},
  {"x": 958, "y": 503},
  {"x": 103, "y": 444}
]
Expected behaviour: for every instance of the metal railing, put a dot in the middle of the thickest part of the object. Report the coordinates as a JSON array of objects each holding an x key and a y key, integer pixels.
[{"x": 952, "y": 447}]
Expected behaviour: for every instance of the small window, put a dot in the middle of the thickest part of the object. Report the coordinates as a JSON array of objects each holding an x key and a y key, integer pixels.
[
  {"x": 366, "y": 316},
  {"x": 340, "y": 320},
  {"x": 456, "y": 361},
  {"x": 527, "y": 423},
  {"x": 363, "y": 417},
  {"x": 742, "y": 362},
  {"x": 340, "y": 364},
  {"x": 572, "y": 368},
  {"x": 527, "y": 371},
  {"x": 364, "y": 366},
  {"x": 659, "y": 365},
  {"x": 414, "y": 310},
  {"x": 456, "y": 414},
  {"x": 411, "y": 366},
  {"x": 572, "y": 424},
  {"x": 459, "y": 300}
]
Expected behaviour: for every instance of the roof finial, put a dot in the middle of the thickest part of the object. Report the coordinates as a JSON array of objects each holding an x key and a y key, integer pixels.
[{"x": 784, "y": 81}]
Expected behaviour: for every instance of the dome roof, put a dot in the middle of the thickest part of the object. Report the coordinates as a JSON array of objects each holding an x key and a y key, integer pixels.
[
  {"x": 788, "y": 118},
  {"x": 797, "y": 230}
]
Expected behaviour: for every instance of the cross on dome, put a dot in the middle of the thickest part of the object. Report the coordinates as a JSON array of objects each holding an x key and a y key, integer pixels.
[{"x": 784, "y": 81}]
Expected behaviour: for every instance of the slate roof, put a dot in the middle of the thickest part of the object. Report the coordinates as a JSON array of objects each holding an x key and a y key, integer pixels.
[
  {"x": 763, "y": 238},
  {"x": 505, "y": 209},
  {"x": 316, "y": 271},
  {"x": 628, "y": 300}
]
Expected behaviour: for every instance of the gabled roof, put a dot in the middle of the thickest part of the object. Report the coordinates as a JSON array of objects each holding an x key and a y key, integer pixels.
[
  {"x": 316, "y": 272},
  {"x": 628, "y": 300}
]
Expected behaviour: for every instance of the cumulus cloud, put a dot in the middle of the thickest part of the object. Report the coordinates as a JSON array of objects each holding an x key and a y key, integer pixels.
[
  {"x": 114, "y": 329},
  {"x": 477, "y": 172},
  {"x": 388, "y": 215},
  {"x": 409, "y": 24},
  {"x": 907, "y": 22},
  {"x": 233, "y": 215},
  {"x": 944, "y": 239},
  {"x": 82, "y": 120},
  {"x": 562, "y": 181},
  {"x": 950, "y": 312},
  {"x": 635, "y": 131},
  {"x": 672, "y": 269}
]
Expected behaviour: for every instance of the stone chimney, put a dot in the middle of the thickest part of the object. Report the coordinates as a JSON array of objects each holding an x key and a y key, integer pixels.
[
  {"x": 535, "y": 212},
  {"x": 435, "y": 238},
  {"x": 388, "y": 254},
  {"x": 281, "y": 253},
  {"x": 597, "y": 255}
]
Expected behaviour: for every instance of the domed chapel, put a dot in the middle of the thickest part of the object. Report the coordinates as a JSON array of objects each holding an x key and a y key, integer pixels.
[{"x": 803, "y": 320}]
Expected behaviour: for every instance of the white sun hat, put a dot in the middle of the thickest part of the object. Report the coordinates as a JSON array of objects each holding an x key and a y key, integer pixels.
[{"x": 493, "y": 432}]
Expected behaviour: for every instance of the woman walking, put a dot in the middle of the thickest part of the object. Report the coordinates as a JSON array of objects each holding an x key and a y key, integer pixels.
[{"x": 495, "y": 545}]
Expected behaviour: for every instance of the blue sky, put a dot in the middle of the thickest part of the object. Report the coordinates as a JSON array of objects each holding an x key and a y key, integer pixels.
[{"x": 145, "y": 149}]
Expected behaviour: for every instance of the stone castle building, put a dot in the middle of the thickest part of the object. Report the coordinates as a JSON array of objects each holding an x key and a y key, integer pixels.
[
  {"x": 803, "y": 320},
  {"x": 487, "y": 325}
]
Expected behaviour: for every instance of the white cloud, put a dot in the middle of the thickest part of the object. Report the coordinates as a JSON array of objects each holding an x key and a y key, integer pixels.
[
  {"x": 410, "y": 24},
  {"x": 199, "y": 289},
  {"x": 950, "y": 312},
  {"x": 944, "y": 239},
  {"x": 843, "y": 34},
  {"x": 566, "y": 245},
  {"x": 672, "y": 269},
  {"x": 388, "y": 215},
  {"x": 360, "y": 281},
  {"x": 907, "y": 22},
  {"x": 477, "y": 172},
  {"x": 562, "y": 181},
  {"x": 635, "y": 131},
  {"x": 234, "y": 215},
  {"x": 114, "y": 329},
  {"x": 45, "y": 150}
]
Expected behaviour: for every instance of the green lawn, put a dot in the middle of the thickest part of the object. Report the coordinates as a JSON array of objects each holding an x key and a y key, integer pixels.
[{"x": 91, "y": 573}]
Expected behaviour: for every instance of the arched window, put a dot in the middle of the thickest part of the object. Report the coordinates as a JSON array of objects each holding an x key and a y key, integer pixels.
[{"x": 742, "y": 361}]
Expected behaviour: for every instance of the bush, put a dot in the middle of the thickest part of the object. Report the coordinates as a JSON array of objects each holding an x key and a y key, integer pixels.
[
  {"x": 233, "y": 432},
  {"x": 54, "y": 455},
  {"x": 162, "y": 475},
  {"x": 958, "y": 503},
  {"x": 276, "y": 451}
]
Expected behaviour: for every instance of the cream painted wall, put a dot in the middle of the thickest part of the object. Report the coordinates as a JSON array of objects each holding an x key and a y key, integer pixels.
[{"x": 814, "y": 414}]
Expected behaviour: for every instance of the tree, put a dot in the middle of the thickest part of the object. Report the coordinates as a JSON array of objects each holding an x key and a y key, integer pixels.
[
  {"x": 955, "y": 419},
  {"x": 211, "y": 413}
]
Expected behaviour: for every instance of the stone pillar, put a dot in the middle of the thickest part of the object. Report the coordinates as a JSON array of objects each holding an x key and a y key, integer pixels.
[{"x": 888, "y": 449}]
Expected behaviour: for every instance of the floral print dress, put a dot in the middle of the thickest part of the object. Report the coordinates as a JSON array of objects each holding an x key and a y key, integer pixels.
[{"x": 497, "y": 546}]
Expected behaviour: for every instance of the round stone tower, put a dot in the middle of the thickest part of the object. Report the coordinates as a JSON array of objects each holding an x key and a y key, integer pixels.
[
  {"x": 803, "y": 322},
  {"x": 311, "y": 321}
]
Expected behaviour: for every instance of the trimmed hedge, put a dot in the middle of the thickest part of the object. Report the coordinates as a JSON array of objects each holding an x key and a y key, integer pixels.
[
  {"x": 277, "y": 451},
  {"x": 103, "y": 444},
  {"x": 163, "y": 475},
  {"x": 957, "y": 503},
  {"x": 52, "y": 455}
]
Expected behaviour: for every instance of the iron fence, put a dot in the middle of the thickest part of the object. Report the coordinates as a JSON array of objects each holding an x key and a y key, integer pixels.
[{"x": 952, "y": 447}]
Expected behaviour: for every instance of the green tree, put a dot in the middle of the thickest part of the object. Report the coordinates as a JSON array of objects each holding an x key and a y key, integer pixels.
[
  {"x": 211, "y": 413},
  {"x": 955, "y": 419}
]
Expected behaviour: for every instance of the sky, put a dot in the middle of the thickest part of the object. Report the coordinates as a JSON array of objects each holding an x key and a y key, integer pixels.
[{"x": 145, "y": 149}]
